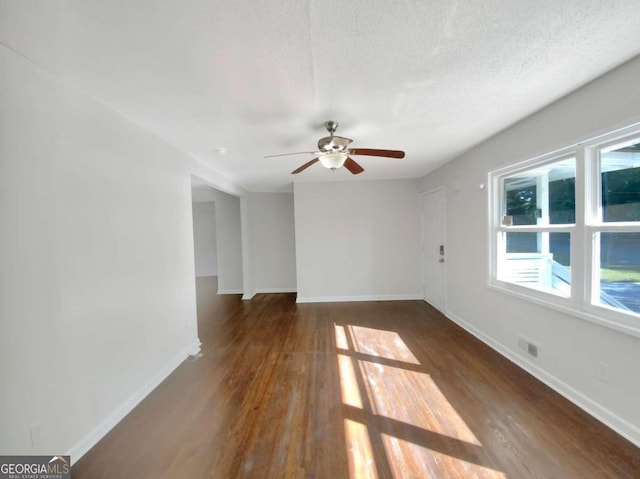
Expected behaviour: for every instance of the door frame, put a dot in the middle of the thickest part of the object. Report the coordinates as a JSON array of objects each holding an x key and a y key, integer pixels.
[{"x": 423, "y": 243}]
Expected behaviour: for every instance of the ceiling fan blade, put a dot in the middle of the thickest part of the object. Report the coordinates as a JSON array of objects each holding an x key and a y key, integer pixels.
[
  {"x": 371, "y": 152},
  {"x": 352, "y": 166},
  {"x": 289, "y": 154},
  {"x": 304, "y": 167}
]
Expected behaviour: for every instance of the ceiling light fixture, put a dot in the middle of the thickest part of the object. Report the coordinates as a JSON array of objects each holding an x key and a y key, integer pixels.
[{"x": 333, "y": 160}]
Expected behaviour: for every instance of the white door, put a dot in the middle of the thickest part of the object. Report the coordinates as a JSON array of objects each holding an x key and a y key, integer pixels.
[{"x": 433, "y": 248}]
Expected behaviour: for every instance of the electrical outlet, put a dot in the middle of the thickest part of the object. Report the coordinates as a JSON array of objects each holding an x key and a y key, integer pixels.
[
  {"x": 36, "y": 434},
  {"x": 527, "y": 346},
  {"x": 522, "y": 343}
]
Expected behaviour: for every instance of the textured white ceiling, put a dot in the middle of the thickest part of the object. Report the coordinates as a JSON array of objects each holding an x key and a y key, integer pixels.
[{"x": 259, "y": 77}]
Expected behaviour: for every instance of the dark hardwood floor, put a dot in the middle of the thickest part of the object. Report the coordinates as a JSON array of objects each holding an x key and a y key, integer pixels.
[{"x": 351, "y": 390}]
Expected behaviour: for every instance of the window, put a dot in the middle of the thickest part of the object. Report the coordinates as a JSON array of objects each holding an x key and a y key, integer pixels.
[
  {"x": 538, "y": 216},
  {"x": 616, "y": 231},
  {"x": 566, "y": 229}
]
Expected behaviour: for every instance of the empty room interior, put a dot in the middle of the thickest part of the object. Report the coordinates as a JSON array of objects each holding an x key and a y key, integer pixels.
[{"x": 321, "y": 239}]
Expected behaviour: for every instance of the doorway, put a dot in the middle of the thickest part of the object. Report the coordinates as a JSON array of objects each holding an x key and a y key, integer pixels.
[
  {"x": 434, "y": 248},
  {"x": 217, "y": 248},
  {"x": 217, "y": 237}
]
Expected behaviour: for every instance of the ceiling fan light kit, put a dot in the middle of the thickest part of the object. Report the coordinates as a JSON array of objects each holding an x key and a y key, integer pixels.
[
  {"x": 333, "y": 161},
  {"x": 333, "y": 152}
]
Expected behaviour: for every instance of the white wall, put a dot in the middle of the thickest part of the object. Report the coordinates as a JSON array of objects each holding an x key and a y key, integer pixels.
[
  {"x": 272, "y": 242},
  {"x": 357, "y": 240},
  {"x": 229, "y": 243},
  {"x": 569, "y": 348},
  {"x": 97, "y": 289},
  {"x": 204, "y": 238}
]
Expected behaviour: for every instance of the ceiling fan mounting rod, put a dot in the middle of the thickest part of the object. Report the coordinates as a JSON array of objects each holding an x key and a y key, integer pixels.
[{"x": 331, "y": 126}]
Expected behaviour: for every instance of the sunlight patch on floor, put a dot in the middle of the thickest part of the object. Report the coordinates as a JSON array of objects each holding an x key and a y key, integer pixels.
[
  {"x": 394, "y": 405},
  {"x": 348, "y": 382},
  {"x": 413, "y": 398},
  {"x": 341, "y": 337},
  {"x": 361, "y": 461},
  {"x": 381, "y": 343},
  {"x": 411, "y": 460}
]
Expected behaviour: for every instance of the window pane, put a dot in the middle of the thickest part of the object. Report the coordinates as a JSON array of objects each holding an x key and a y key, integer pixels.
[
  {"x": 620, "y": 183},
  {"x": 521, "y": 200},
  {"x": 560, "y": 247},
  {"x": 541, "y": 195},
  {"x": 522, "y": 242},
  {"x": 562, "y": 200},
  {"x": 537, "y": 260},
  {"x": 620, "y": 271}
]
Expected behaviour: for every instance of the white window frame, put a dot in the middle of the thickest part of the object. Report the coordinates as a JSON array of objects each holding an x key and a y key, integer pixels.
[{"x": 588, "y": 223}]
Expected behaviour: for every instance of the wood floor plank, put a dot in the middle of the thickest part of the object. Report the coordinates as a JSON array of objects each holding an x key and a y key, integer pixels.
[{"x": 346, "y": 390}]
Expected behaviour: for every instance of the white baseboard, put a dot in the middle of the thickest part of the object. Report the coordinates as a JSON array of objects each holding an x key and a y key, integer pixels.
[
  {"x": 230, "y": 291},
  {"x": 276, "y": 290},
  {"x": 268, "y": 290},
  {"x": 372, "y": 297},
  {"x": 195, "y": 348},
  {"x": 91, "y": 439},
  {"x": 601, "y": 413}
]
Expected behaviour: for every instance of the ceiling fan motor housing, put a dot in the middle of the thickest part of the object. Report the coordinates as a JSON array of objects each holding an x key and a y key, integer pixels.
[{"x": 333, "y": 144}]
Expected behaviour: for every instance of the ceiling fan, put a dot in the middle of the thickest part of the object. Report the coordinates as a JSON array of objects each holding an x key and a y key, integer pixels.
[{"x": 333, "y": 152}]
